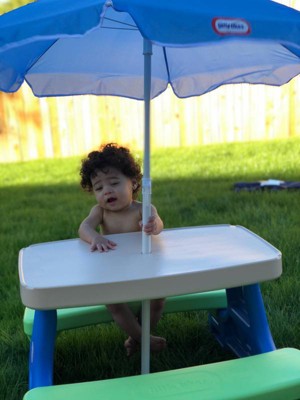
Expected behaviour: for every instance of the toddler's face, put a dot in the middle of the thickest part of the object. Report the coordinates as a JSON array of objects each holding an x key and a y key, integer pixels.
[{"x": 113, "y": 190}]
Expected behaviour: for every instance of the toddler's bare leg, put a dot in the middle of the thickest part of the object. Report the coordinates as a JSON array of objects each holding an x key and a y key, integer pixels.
[
  {"x": 157, "y": 343},
  {"x": 124, "y": 317},
  {"x": 156, "y": 310},
  {"x": 127, "y": 321}
]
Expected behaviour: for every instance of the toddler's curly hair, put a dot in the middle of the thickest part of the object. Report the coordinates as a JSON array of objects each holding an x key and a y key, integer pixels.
[{"x": 110, "y": 155}]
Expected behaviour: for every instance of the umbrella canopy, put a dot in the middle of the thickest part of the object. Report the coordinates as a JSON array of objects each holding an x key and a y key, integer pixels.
[{"x": 70, "y": 47}]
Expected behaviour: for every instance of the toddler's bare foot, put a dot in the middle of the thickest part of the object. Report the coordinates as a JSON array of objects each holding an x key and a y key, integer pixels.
[
  {"x": 131, "y": 346},
  {"x": 157, "y": 343}
]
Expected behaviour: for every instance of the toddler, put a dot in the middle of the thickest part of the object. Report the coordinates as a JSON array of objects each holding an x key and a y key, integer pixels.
[{"x": 114, "y": 176}]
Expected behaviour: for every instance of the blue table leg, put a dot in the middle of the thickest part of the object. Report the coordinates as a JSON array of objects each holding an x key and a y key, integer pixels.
[
  {"x": 42, "y": 344},
  {"x": 243, "y": 326}
]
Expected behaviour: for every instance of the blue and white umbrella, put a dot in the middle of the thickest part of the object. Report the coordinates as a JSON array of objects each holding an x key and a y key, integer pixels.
[
  {"x": 70, "y": 47},
  {"x": 77, "y": 47}
]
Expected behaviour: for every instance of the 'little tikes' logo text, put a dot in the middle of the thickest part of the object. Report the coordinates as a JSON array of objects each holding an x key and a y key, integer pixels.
[{"x": 231, "y": 26}]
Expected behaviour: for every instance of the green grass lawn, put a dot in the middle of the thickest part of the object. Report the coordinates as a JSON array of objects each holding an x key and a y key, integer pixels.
[{"x": 42, "y": 201}]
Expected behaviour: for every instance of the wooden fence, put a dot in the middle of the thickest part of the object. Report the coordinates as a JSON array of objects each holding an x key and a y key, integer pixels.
[{"x": 32, "y": 128}]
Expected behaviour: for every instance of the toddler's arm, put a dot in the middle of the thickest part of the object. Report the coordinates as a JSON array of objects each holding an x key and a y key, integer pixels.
[{"x": 87, "y": 231}]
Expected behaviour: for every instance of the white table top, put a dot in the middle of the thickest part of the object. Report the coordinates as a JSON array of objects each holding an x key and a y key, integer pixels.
[{"x": 66, "y": 273}]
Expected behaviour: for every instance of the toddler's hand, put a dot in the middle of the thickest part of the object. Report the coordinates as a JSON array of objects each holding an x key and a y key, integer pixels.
[
  {"x": 102, "y": 244},
  {"x": 150, "y": 227}
]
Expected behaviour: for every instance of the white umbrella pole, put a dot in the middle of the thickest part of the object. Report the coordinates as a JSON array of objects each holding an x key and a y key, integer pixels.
[
  {"x": 146, "y": 183},
  {"x": 146, "y": 239},
  {"x": 145, "y": 349}
]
